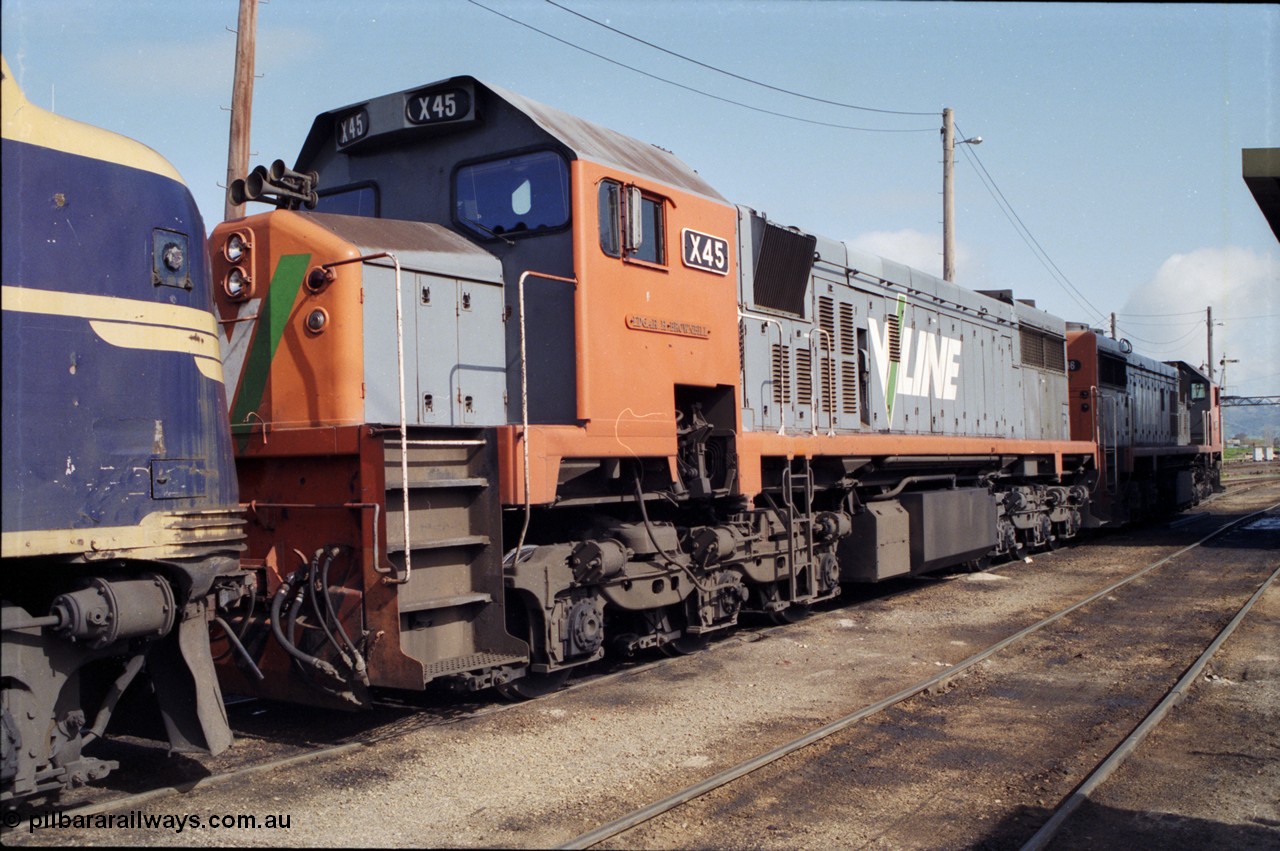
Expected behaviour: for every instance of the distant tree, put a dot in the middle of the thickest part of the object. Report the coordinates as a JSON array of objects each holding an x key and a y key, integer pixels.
[{"x": 1241, "y": 436}]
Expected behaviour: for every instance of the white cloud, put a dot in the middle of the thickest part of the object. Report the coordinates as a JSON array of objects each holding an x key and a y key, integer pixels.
[
  {"x": 911, "y": 248},
  {"x": 1164, "y": 318}
]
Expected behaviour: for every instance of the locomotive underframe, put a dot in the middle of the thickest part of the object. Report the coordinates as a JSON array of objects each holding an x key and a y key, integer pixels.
[
  {"x": 78, "y": 638},
  {"x": 635, "y": 576},
  {"x": 628, "y": 557},
  {"x": 1146, "y": 482}
]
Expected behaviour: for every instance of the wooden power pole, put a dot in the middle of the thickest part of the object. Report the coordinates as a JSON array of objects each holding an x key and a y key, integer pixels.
[
  {"x": 1208, "y": 313},
  {"x": 948, "y": 197},
  {"x": 241, "y": 101},
  {"x": 948, "y": 192}
]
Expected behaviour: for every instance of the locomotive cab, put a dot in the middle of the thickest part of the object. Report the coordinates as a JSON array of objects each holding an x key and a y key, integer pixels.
[{"x": 617, "y": 261}]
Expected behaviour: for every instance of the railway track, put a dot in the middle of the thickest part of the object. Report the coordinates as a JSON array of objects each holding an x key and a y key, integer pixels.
[
  {"x": 276, "y": 743},
  {"x": 623, "y": 827},
  {"x": 269, "y": 740},
  {"x": 1071, "y": 803},
  {"x": 268, "y": 750}
]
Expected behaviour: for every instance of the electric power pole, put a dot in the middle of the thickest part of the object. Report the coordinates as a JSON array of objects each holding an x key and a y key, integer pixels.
[
  {"x": 1113, "y": 326},
  {"x": 948, "y": 197},
  {"x": 1208, "y": 313},
  {"x": 241, "y": 101}
]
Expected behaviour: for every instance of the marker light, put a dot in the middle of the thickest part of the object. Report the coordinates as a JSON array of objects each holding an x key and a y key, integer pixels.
[{"x": 317, "y": 320}]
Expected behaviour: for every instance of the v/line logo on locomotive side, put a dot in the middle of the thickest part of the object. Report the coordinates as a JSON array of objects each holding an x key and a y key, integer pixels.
[{"x": 933, "y": 371}]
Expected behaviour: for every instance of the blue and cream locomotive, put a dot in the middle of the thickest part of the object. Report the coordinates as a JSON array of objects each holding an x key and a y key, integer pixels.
[{"x": 120, "y": 496}]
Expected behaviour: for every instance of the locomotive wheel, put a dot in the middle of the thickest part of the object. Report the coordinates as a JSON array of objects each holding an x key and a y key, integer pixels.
[
  {"x": 532, "y": 686},
  {"x": 791, "y": 614},
  {"x": 685, "y": 645}
]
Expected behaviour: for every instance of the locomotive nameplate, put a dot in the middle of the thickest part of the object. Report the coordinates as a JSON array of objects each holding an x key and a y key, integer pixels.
[
  {"x": 668, "y": 326},
  {"x": 351, "y": 127},
  {"x": 705, "y": 252},
  {"x": 438, "y": 105}
]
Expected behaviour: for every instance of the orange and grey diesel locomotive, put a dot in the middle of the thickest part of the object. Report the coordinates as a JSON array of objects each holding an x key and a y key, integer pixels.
[
  {"x": 121, "y": 515},
  {"x": 1158, "y": 427},
  {"x": 510, "y": 388}
]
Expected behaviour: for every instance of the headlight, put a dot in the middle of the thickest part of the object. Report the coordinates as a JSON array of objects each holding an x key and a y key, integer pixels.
[
  {"x": 235, "y": 248},
  {"x": 237, "y": 285}
]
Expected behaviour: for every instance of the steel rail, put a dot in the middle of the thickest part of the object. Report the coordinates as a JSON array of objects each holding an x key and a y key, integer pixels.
[
  {"x": 723, "y": 778},
  {"x": 1122, "y": 752},
  {"x": 323, "y": 753}
]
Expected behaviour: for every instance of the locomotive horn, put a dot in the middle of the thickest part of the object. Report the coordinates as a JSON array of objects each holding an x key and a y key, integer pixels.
[
  {"x": 278, "y": 184},
  {"x": 282, "y": 190},
  {"x": 256, "y": 184},
  {"x": 302, "y": 181}
]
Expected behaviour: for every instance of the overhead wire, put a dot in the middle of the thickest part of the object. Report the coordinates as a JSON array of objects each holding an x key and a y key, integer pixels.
[
  {"x": 740, "y": 77},
  {"x": 1179, "y": 324},
  {"x": 989, "y": 182},
  {"x": 1162, "y": 343},
  {"x": 1043, "y": 256},
  {"x": 1181, "y": 313},
  {"x": 697, "y": 91},
  {"x": 1196, "y": 327},
  {"x": 1247, "y": 318}
]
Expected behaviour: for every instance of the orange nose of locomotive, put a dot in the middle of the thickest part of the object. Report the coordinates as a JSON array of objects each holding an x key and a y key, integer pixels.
[{"x": 291, "y": 322}]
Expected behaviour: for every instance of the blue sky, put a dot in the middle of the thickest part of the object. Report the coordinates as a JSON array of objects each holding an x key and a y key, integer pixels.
[{"x": 1113, "y": 132}]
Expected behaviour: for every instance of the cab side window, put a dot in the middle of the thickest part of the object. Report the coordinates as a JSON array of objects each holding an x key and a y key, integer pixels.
[
  {"x": 652, "y": 248},
  {"x": 632, "y": 223},
  {"x": 610, "y": 218}
]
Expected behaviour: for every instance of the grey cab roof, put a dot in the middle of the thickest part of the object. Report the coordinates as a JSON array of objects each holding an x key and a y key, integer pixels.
[
  {"x": 587, "y": 140},
  {"x": 420, "y": 246}
]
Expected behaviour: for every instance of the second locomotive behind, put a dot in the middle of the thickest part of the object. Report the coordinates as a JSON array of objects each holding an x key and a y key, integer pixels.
[{"x": 521, "y": 388}]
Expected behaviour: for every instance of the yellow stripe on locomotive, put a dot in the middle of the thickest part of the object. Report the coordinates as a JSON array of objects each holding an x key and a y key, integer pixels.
[{"x": 130, "y": 323}]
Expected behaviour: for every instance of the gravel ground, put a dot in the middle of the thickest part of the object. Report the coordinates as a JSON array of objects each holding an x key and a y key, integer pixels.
[
  {"x": 1209, "y": 775},
  {"x": 982, "y": 763},
  {"x": 541, "y": 773}
]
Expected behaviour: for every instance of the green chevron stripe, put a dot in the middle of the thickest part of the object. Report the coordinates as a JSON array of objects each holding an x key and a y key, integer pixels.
[
  {"x": 273, "y": 316},
  {"x": 891, "y": 392}
]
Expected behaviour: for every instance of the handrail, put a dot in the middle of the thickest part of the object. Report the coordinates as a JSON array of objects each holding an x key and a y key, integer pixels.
[
  {"x": 404, "y": 428},
  {"x": 524, "y": 396},
  {"x": 254, "y": 505},
  {"x": 782, "y": 345},
  {"x": 815, "y": 356}
]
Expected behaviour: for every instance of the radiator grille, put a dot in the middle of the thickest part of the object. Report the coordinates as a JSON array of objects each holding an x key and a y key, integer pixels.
[
  {"x": 1043, "y": 351},
  {"x": 781, "y": 375},
  {"x": 782, "y": 268},
  {"x": 847, "y": 344},
  {"x": 804, "y": 376},
  {"x": 828, "y": 385},
  {"x": 849, "y": 387},
  {"x": 895, "y": 338},
  {"x": 827, "y": 318}
]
